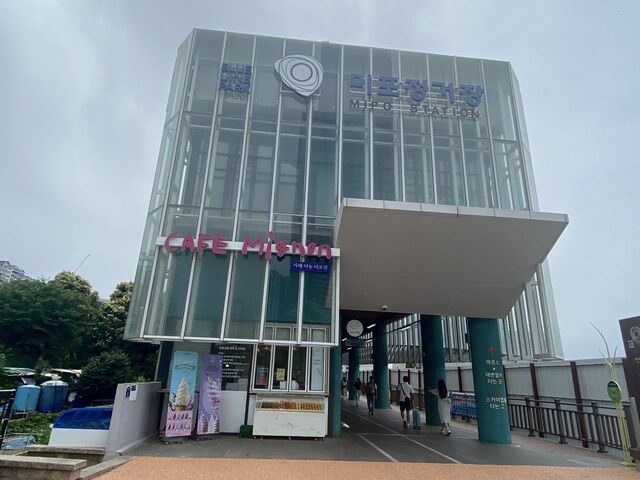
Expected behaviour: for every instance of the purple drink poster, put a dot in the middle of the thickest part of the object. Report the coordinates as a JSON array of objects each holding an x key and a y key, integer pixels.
[
  {"x": 181, "y": 394},
  {"x": 209, "y": 401}
]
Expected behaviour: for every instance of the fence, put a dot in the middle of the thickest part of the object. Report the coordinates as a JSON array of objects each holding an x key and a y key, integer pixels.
[{"x": 589, "y": 423}]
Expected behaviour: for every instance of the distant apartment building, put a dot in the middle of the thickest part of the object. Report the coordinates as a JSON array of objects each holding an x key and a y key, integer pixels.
[{"x": 10, "y": 272}]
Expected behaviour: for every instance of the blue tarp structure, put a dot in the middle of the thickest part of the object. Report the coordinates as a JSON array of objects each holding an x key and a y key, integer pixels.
[{"x": 89, "y": 418}]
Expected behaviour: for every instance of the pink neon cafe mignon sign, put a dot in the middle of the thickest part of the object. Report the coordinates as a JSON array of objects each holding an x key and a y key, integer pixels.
[{"x": 219, "y": 244}]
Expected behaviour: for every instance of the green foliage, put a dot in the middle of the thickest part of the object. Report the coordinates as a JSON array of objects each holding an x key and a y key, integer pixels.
[
  {"x": 47, "y": 320},
  {"x": 107, "y": 333},
  {"x": 75, "y": 283},
  {"x": 6, "y": 382},
  {"x": 62, "y": 323},
  {"x": 100, "y": 377},
  {"x": 42, "y": 367},
  {"x": 37, "y": 425},
  {"x": 3, "y": 376}
]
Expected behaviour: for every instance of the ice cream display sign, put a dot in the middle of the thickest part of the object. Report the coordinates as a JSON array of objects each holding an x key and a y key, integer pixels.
[
  {"x": 209, "y": 401},
  {"x": 181, "y": 394}
]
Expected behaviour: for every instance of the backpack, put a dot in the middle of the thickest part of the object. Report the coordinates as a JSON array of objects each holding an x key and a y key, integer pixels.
[{"x": 370, "y": 388}]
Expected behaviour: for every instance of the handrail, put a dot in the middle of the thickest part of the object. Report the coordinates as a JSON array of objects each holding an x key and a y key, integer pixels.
[{"x": 590, "y": 422}]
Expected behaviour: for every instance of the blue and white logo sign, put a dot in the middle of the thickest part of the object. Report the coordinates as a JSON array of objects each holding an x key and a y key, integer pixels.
[{"x": 301, "y": 73}]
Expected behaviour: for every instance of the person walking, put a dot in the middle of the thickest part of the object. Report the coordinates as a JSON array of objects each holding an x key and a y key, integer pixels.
[
  {"x": 371, "y": 390},
  {"x": 406, "y": 400},
  {"x": 343, "y": 386},
  {"x": 444, "y": 406},
  {"x": 357, "y": 385}
]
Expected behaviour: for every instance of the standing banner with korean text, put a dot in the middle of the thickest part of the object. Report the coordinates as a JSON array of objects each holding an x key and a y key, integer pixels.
[
  {"x": 181, "y": 394},
  {"x": 209, "y": 400},
  {"x": 630, "y": 329}
]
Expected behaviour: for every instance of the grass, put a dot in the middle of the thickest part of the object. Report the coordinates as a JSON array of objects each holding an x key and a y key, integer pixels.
[{"x": 35, "y": 424}]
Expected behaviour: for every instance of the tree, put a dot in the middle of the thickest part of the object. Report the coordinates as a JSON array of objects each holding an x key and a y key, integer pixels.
[
  {"x": 101, "y": 376},
  {"x": 40, "y": 369},
  {"x": 107, "y": 333},
  {"x": 75, "y": 283},
  {"x": 47, "y": 320},
  {"x": 5, "y": 382}
]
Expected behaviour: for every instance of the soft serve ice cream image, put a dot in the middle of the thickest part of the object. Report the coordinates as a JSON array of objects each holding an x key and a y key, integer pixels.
[
  {"x": 181, "y": 401},
  {"x": 181, "y": 394}
]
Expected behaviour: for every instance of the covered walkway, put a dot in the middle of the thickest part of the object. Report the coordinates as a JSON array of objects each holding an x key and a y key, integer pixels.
[{"x": 384, "y": 434}]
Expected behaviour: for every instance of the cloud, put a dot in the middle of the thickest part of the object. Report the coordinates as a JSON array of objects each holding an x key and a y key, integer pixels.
[{"x": 85, "y": 84}]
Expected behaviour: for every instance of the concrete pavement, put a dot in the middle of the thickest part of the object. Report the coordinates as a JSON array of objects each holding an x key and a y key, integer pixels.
[{"x": 375, "y": 447}]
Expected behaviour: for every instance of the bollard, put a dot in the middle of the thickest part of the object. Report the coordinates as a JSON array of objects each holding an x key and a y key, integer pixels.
[
  {"x": 527, "y": 403},
  {"x": 560, "y": 419},
  {"x": 599, "y": 434}
]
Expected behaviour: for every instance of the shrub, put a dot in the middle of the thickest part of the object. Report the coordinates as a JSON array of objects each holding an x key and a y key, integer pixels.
[{"x": 102, "y": 375}]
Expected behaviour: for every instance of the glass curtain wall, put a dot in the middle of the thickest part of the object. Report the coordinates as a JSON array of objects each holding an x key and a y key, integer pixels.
[
  {"x": 242, "y": 167},
  {"x": 158, "y": 193},
  {"x": 243, "y": 164}
]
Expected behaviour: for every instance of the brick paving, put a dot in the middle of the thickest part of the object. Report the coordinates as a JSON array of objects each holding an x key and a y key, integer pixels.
[{"x": 154, "y": 468}]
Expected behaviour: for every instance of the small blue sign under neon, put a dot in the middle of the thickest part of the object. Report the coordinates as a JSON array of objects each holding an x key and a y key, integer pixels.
[{"x": 310, "y": 267}]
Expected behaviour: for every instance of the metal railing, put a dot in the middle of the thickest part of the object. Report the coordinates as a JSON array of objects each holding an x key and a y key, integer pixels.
[
  {"x": 589, "y": 423},
  {"x": 7, "y": 398}
]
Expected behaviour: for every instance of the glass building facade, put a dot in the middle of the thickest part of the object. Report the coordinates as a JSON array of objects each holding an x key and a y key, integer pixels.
[{"x": 384, "y": 125}]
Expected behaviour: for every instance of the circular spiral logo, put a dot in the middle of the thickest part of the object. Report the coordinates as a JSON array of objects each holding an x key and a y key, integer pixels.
[
  {"x": 301, "y": 73},
  {"x": 635, "y": 333}
]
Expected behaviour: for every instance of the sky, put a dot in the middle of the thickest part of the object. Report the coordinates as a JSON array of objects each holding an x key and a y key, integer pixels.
[{"x": 84, "y": 86}]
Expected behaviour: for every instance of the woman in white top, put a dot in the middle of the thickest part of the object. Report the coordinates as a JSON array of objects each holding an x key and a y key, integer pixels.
[{"x": 444, "y": 406}]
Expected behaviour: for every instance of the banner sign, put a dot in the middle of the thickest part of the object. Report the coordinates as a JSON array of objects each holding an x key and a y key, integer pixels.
[
  {"x": 630, "y": 328},
  {"x": 235, "y": 77},
  {"x": 209, "y": 400},
  {"x": 236, "y": 365},
  {"x": 266, "y": 247},
  {"x": 310, "y": 267},
  {"x": 181, "y": 394},
  {"x": 355, "y": 342}
]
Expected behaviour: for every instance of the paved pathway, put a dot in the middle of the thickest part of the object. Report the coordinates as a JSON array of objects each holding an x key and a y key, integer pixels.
[
  {"x": 375, "y": 447},
  {"x": 149, "y": 468}
]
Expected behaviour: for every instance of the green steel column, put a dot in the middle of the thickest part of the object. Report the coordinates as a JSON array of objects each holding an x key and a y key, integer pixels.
[
  {"x": 432, "y": 363},
  {"x": 335, "y": 396},
  {"x": 488, "y": 381},
  {"x": 381, "y": 364},
  {"x": 354, "y": 370}
]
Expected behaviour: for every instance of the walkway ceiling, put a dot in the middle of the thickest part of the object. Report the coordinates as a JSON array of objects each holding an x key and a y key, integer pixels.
[{"x": 439, "y": 259}]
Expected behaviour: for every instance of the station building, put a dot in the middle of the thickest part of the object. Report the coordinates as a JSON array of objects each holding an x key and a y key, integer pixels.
[{"x": 303, "y": 185}]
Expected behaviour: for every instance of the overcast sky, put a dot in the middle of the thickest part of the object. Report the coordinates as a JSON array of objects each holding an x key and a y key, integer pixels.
[{"x": 84, "y": 85}]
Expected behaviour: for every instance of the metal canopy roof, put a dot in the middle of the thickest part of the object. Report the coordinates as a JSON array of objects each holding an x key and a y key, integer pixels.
[{"x": 439, "y": 259}]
